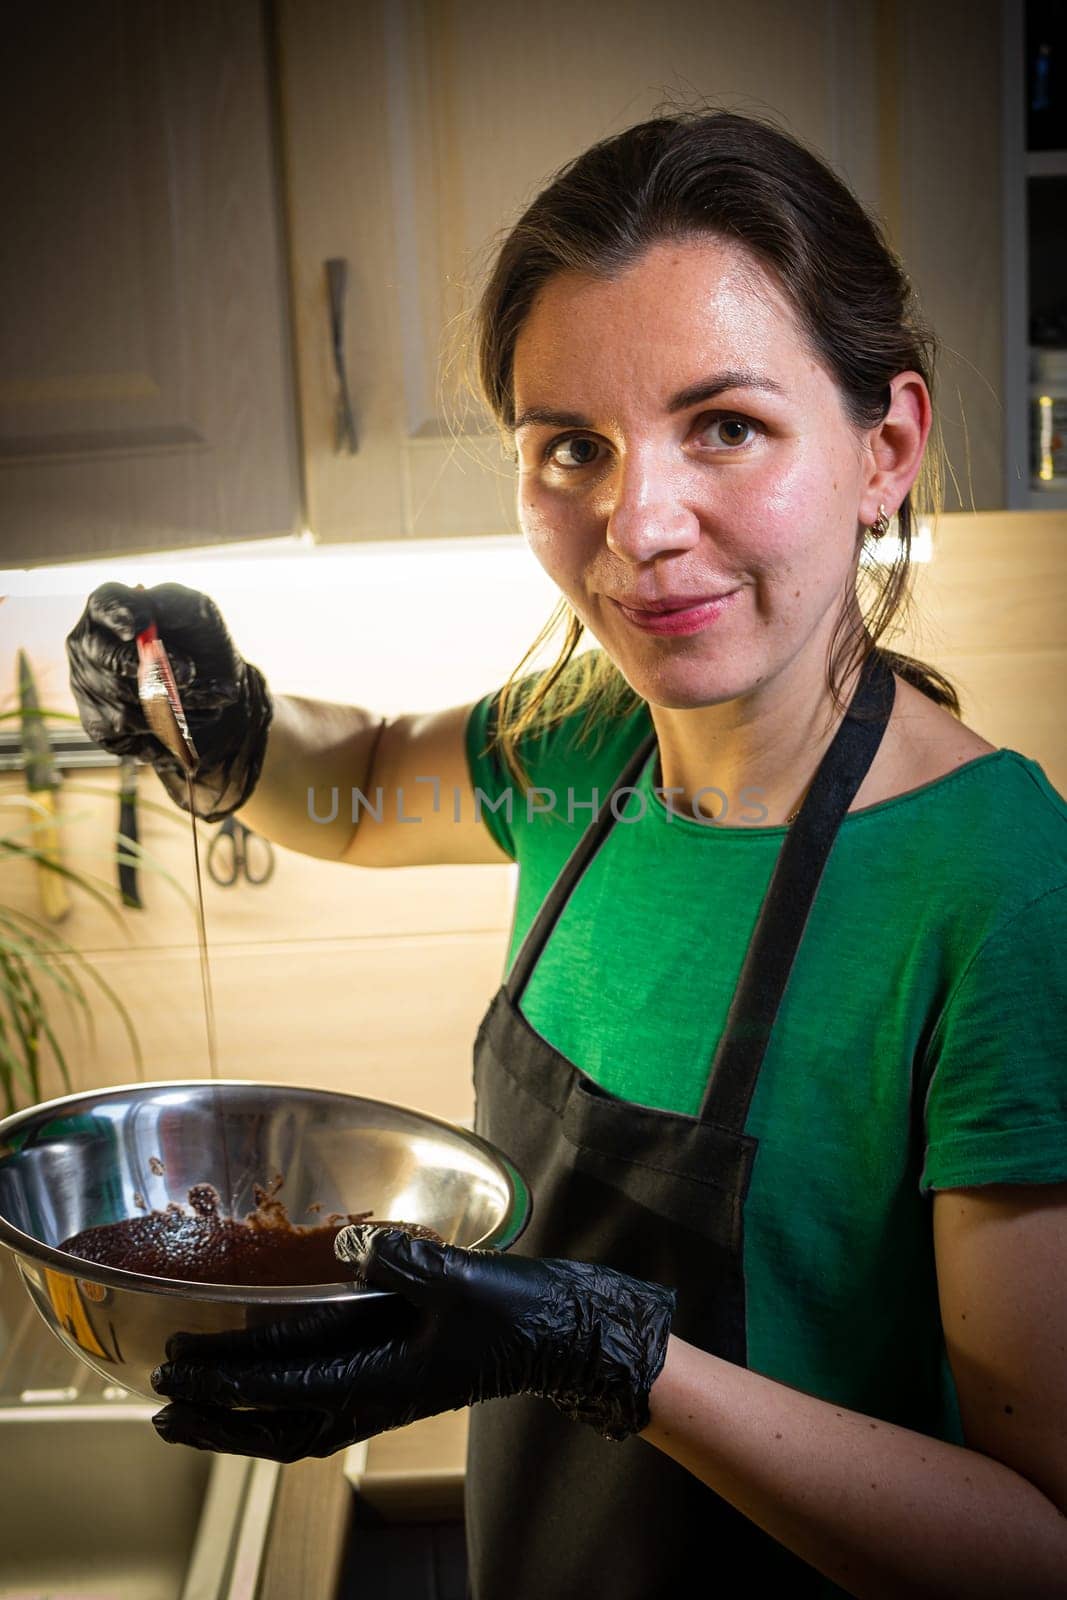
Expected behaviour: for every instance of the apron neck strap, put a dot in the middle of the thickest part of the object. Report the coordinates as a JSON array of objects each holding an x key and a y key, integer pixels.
[
  {"x": 552, "y": 907},
  {"x": 790, "y": 896}
]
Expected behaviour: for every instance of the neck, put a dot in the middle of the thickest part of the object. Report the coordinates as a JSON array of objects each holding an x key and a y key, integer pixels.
[{"x": 755, "y": 756}]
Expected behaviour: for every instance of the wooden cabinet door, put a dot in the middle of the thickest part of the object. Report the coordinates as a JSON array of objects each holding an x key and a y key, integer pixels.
[
  {"x": 145, "y": 362},
  {"x": 942, "y": 200},
  {"x": 417, "y": 130}
]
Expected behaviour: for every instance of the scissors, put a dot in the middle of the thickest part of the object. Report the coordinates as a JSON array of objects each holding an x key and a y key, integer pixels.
[{"x": 235, "y": 852}]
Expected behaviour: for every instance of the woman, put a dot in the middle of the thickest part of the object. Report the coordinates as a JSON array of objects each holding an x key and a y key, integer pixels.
[{"x": 780, "y": 965}]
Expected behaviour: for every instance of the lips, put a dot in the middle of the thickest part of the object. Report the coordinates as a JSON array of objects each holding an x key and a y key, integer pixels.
[
  {"x": 677, "y": 616},
  {"x": 673, "y": 602}
]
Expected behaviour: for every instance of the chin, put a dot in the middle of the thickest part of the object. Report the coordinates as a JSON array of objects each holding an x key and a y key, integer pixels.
[{"x": 688, "y": 686}]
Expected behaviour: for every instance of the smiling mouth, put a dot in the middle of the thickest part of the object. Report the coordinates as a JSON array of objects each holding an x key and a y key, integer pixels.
[
  {"x": 689, "y": 617},
  {"x": 657, "y": 608}
]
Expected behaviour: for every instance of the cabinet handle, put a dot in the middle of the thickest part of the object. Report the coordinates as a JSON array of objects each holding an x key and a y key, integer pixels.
[{"x": 346, "y": 440}]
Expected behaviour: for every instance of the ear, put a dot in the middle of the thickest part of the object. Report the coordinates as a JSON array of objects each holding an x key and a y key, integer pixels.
[{"x": 895, "y": 446}]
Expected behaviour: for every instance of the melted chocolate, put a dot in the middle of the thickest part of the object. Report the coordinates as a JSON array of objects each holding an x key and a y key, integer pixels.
[{"x": 266, "y": 1250}]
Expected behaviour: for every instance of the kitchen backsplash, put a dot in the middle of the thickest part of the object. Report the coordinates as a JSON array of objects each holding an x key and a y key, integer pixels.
[{"x": 375, "y": 981}]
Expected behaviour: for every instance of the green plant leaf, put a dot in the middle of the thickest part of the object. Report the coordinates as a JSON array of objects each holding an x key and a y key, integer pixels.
[
  {"x": 124, "y": 1015},
  {"x": 171, "y": 813},
  {"x": 44, "y": 936},
  {"x": 41, "y": 953},
  {"x": 21, "y": 1016},
  {"x": 26, "y": 1006},
  {"x": 60, "y": 716},
  {"x": 33, "y": 953},
  {"x": 143, "y": 858},
  {"x": 61, "y": 1060},
  {"x": 9, "y": 1068},
  {"x": 42, "y": 859},
  {"x": 131, "y": 853}
]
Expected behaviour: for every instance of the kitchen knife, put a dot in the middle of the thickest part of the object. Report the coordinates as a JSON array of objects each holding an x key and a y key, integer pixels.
[
  {"x": 128, "y": 829},
  {"x": 42, "y": 782}
]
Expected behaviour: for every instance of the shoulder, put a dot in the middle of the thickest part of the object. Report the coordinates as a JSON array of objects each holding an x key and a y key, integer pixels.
[
  {"x": 979, "y": 825},
  {"x": 935, "y": 739},
  {"x": 922, "y": 744},
  {"x": 570, "y": 760},
  {"x": 582, "y": 732},
  {"x": 925, "y": 744}
]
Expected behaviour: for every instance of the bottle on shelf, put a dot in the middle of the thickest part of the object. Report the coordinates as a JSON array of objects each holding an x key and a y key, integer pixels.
[
  {"x": 1046, "y": 74},
  {"x": 1048, "y": 416}
]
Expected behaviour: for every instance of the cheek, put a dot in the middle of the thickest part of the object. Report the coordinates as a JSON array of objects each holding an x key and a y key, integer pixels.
[
  {"x": 803, "y": 521},
  {"x": 793, "y": 490},
  {"x": 551, "y": 540}
]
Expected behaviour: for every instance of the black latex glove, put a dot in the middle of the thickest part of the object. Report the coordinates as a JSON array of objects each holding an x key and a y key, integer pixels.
[
  {"x": 460, "y": 1326},
  {"x": 226, "y": 700}
]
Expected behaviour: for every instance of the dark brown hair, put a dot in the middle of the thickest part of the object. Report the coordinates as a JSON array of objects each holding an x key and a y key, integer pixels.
[{"x": 688, "y": 175}]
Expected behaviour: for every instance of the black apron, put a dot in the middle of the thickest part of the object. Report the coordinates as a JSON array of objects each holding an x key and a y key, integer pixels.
[{"x": 555, "y": 1511}]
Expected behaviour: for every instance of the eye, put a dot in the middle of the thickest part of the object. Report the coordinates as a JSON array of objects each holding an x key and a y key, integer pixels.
[
  {"x": 586, "y": 448},
  {"x": 731, "y": 422},
  {"x": 568, "y": 443}
]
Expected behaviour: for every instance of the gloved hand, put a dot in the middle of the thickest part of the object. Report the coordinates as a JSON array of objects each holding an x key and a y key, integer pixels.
[
  {"x": 459, "y": 1326},
  {"x": 226, "y": 700}
]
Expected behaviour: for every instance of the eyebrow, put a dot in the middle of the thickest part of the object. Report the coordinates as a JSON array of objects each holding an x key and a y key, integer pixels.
[{"x": 693, "y": 395}]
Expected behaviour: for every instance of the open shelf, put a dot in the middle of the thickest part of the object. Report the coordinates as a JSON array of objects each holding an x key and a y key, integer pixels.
[{"x": 1034, "y": 261}]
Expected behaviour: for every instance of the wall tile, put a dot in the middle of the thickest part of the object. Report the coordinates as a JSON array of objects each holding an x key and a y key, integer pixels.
[
  {"x": 394, "y": 1019},
  {"x": 305, "y": 898}
]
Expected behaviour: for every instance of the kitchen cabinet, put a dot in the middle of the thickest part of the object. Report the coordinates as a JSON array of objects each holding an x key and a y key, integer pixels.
[
  {"x": 145, "y": 362},
  {"x": 417, "y": 130},
  {"x": 413, "y": 139},
  {"x": 182, "y": 175},
  {"x": 95, "y": 1504},
  {"x": 939, "y": 89},
  {"x": 1035, "y": 253}
]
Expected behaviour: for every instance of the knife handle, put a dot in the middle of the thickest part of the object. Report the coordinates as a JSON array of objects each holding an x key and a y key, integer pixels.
[
  {"x": 53, "y": 888},
  {"x": 128, "y": 829}
]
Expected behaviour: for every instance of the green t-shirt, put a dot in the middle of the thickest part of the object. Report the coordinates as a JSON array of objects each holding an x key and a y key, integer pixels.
[{"x": 921, "y": 1043}]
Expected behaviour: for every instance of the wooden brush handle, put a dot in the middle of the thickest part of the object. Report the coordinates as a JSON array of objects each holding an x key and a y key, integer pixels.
[{"x": 160, "y": 699}]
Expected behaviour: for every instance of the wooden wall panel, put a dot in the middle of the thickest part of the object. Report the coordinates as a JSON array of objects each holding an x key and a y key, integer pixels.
[
  {"x": 305, "y": 899},
  {"x": 392, "y": 1019},
  {"x": 997, "y": 584},
  {"x": 1016, "y": 701},
  {"x": 990, "y": 611}
]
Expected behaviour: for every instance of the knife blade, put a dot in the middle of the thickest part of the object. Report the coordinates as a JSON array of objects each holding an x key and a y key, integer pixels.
[
  {"x": 128, "y": 828},
  {"x": 42, "y": 782}
]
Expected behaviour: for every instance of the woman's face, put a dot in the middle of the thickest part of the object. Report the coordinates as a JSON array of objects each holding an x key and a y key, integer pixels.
[{"x": 633, "y": 492}]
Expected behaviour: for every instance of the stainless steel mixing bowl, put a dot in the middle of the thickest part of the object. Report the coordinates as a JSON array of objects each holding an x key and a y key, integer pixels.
[{"x": 105, "y": 1156}]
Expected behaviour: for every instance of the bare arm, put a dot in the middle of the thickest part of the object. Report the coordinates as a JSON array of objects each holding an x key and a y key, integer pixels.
[
  {"x": 885, "y": 1512},
  {"x": 344, "y": 784}
]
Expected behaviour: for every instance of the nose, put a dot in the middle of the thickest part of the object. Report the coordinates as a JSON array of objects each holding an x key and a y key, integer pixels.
[{"x": 647, "y": 510}]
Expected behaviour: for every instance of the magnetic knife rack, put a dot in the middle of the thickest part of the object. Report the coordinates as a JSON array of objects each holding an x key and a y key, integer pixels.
[{"x": 71, "y": 747}]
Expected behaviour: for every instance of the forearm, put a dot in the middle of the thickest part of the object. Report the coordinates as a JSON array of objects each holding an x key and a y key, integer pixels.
[
  {"x": 884, "y": 1512},
  {"x": 318, "y": 746}
]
